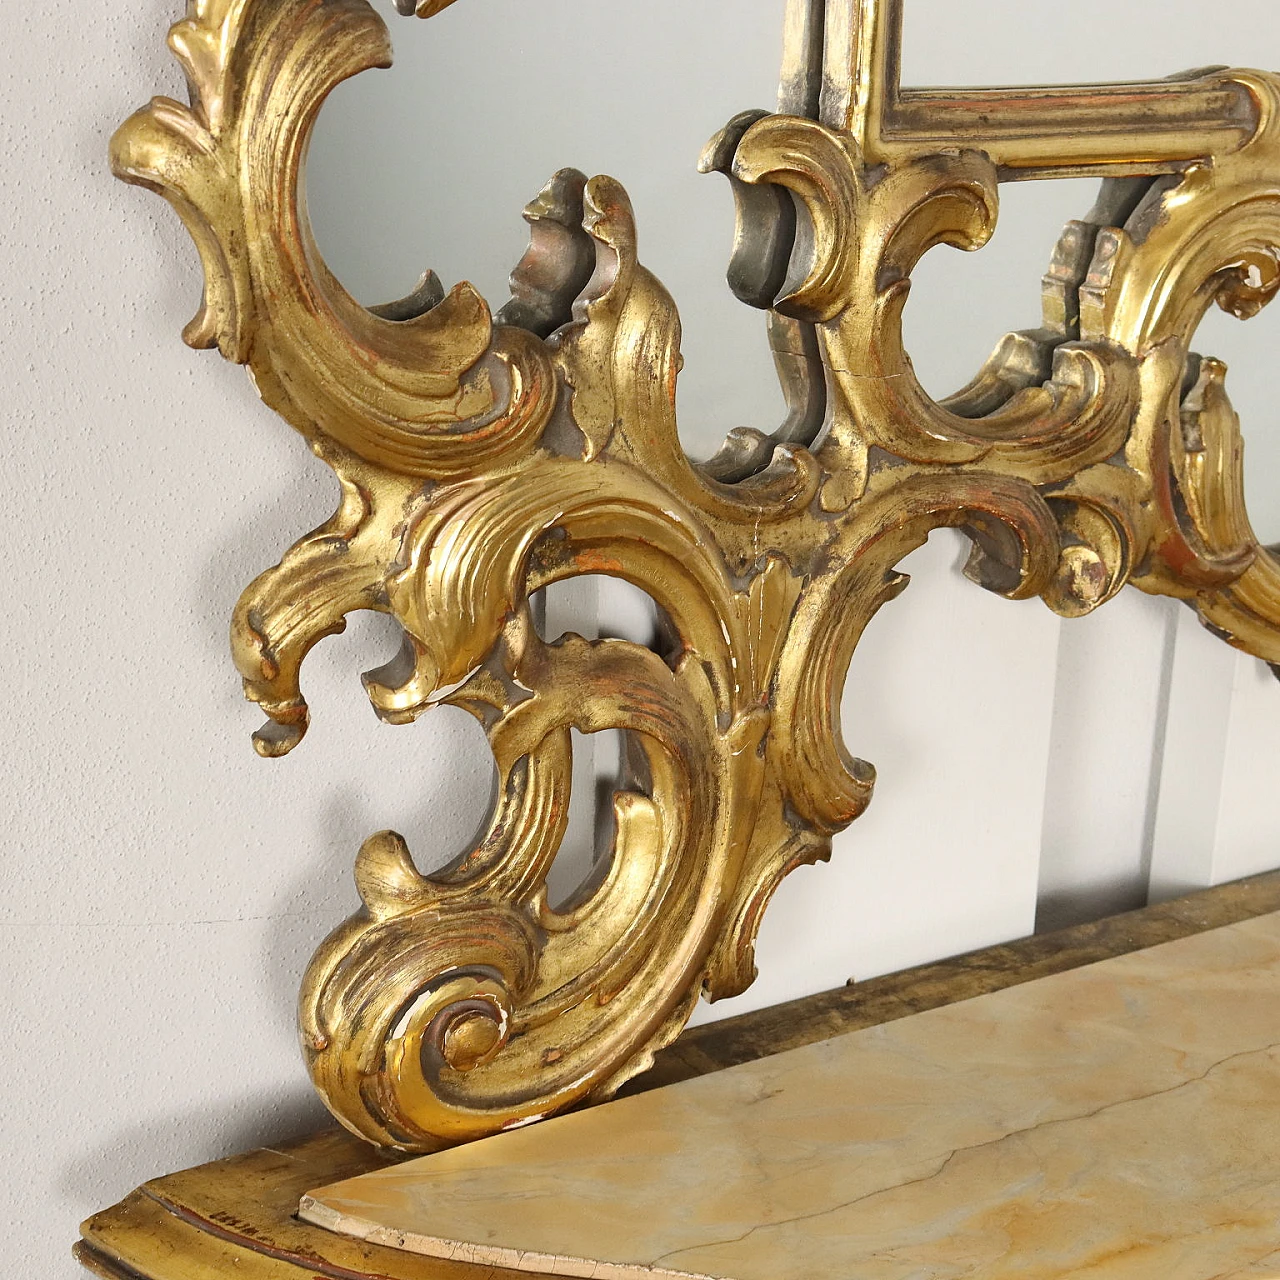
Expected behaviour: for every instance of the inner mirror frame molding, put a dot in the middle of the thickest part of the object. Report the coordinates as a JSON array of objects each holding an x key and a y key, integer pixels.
[{"x": 483, "y": 457}]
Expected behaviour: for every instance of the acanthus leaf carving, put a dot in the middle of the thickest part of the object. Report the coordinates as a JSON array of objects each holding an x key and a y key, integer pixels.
[{"x": 482, "y": 460}]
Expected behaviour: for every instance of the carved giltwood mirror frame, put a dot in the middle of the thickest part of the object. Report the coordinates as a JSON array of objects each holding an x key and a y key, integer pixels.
[{"x": 484, "y": 457}]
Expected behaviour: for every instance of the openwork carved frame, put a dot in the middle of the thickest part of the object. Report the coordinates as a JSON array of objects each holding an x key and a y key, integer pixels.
[{"x": 484, "y": 457}]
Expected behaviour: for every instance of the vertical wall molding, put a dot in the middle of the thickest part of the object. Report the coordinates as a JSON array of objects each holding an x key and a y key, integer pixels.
[
  {"x": 1101, "y": 788},
  {"x": 1191, "y": 776}
]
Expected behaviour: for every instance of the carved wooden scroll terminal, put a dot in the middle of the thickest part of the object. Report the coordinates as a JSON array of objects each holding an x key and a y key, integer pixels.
[{"x": 483, "y": 457}]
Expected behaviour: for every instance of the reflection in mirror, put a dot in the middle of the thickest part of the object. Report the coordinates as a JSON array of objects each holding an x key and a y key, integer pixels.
[{"x": 430, "y": 164}]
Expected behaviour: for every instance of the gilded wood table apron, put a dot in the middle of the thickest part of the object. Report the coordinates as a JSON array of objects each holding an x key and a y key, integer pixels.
[{"x": 483, "y": 457}]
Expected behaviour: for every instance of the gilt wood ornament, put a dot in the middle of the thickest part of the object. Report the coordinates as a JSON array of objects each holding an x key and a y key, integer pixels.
[{"x": 486, "y": 456}]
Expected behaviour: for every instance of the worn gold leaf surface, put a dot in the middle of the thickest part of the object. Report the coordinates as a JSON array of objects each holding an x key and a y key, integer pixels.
[{"x": 485, "y": 457}]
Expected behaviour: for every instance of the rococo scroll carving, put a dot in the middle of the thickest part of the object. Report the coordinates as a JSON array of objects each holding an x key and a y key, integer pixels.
[{"x": 483, "y": 458}]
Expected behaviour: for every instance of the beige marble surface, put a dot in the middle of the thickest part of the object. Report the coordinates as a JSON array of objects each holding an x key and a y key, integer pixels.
[{"x": 1118, "y": 1122}]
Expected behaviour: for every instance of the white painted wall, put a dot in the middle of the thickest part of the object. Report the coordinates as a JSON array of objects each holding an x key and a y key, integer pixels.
[{"x": 163, "y": 887}]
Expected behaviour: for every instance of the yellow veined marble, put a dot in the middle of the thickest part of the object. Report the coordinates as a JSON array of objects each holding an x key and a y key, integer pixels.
[{"x": 1118, "y": 1122}]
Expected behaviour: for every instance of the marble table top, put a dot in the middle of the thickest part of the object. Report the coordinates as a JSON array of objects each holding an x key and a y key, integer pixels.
[{"x": 1116, "y": 1122}]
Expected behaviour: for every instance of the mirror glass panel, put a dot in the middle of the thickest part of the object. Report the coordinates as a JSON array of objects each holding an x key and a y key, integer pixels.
[
  {"x": 994, "y": 42},
  {"x": 430, "y": 164}
]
